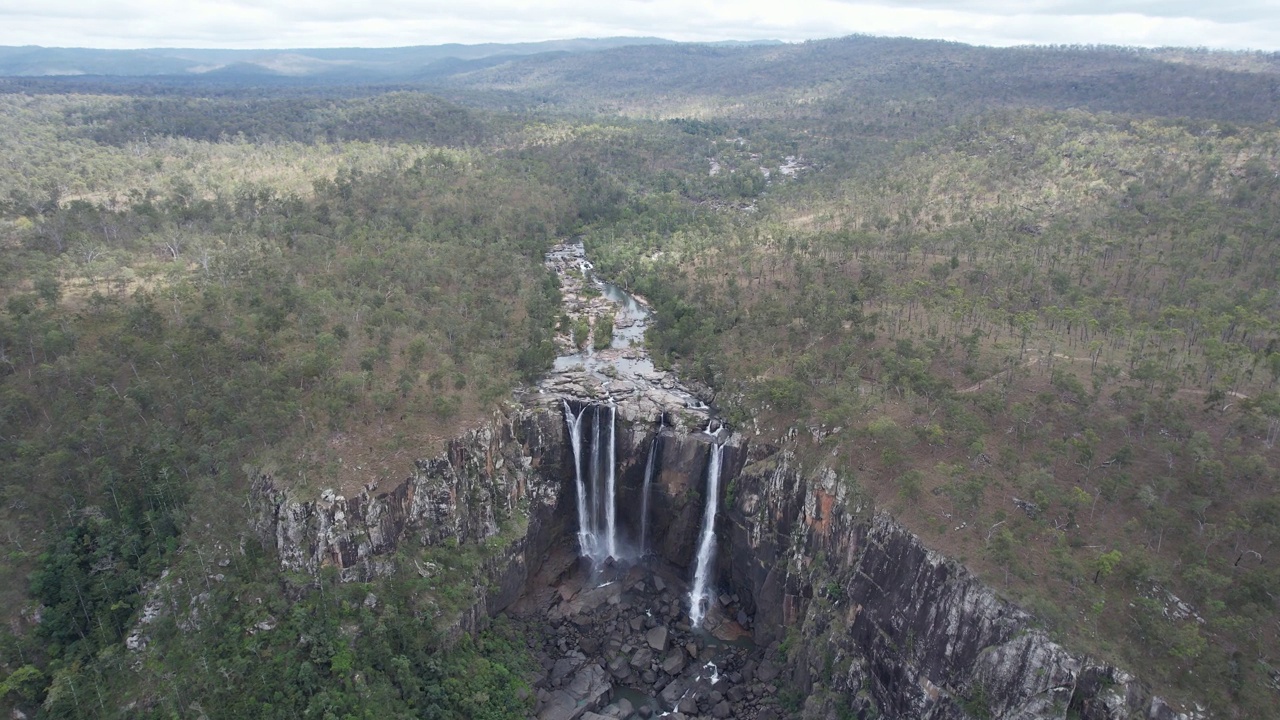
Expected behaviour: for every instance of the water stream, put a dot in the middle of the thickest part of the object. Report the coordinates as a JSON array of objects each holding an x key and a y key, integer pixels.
[
  {"x": 700, "y": 593},
  {"x": 610, "y": 503},
  {"x": 597, "y": 493},
  {"x": 644, "y": 492},
  {"x": 575, "y": 441}
]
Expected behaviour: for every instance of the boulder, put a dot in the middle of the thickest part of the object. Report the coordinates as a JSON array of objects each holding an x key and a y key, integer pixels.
[
  {"x": 641, "y": 658},
  {"x": 620, "y": 668},
  {"x": 671, "y": 694},
  {"x": 564, "y": 667},
  {"x": 657, "y": 638},
  {"x": 674, "y": 663}
]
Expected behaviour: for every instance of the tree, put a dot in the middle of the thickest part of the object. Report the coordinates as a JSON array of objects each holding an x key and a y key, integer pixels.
[
  {"x": 1105, "y": 564},
  {"x": 1002, "y": 548}
]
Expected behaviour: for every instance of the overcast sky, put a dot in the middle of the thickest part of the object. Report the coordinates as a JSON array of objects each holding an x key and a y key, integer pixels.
[{"x": 1233, "y": 24}]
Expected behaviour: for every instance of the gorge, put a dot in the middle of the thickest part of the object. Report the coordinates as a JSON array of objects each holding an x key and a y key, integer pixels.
[
  {"x": 666, "y": 564},
  {"x": 879, "y": 378}
]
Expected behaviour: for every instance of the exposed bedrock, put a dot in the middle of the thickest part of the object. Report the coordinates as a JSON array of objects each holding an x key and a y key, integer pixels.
[
  {"x": 875, "y": 622},
  {"x": 511, "y": 478},
  {"x": 870, "y": 621}
]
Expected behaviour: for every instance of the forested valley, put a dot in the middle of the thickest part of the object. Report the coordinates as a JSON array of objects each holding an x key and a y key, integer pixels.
[{"x": 1026, "y": 300}]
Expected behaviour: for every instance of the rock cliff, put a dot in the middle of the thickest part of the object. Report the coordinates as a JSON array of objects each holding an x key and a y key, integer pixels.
[
  {"x": 499, "y": 481},
  {"x": 858, "y": 616},
  {"x": 870, "y": 621},
  {"x": 873, "y": 622}
]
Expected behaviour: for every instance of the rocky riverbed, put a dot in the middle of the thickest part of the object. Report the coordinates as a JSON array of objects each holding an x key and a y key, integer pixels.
[{"x": 623, "y": 373}]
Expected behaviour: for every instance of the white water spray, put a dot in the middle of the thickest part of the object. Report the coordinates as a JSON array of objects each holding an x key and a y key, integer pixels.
[
  {"x": 644, "y": 493},
  {"x": 611, "y": 507},
  {"x": 595, "y": 510},
  {"x": 700, "y": 594},
  {"x": 586, "y": 541}
]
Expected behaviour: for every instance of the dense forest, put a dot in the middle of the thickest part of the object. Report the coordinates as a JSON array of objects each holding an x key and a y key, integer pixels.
[{"x": 1026, "y": 298}]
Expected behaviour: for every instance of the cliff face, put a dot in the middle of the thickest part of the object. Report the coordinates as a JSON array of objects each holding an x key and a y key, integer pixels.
[
  {"x": 502, "y": 479},
  {"x": 871, "y": 620},
  {"x": 875, "y": 622}
]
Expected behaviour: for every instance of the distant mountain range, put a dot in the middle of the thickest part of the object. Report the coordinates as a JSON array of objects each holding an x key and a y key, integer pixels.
[
  {"x": 332, "y": 64},
  {"x": 896, "y": 86}
]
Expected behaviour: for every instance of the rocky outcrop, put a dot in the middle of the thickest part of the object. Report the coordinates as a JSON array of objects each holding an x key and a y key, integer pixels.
[
  {"x": 850, "y": 612},
  {"x": 876, "y": 624},
  {"x": 508, "y": 484},
  {"x": 869, "y": 620},
  {"x": 501, "y": 479}
]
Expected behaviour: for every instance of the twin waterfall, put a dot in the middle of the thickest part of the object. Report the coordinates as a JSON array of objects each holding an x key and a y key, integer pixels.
[
  {"x": 597, "y": 499},
  {"x": 596, "y": 508}
]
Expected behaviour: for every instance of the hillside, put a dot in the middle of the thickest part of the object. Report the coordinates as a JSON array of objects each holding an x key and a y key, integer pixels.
[
  {"x": 874, "y": 84},
  {"x": 317, "y": 64},
  {"x": 1024, "y": 300}
]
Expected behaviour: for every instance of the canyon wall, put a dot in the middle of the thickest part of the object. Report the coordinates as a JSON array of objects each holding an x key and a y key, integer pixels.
[{"x": 871, "y": 622}]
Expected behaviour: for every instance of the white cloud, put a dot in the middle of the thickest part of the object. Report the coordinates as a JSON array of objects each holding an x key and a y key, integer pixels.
[{"x": 329, "y": 23}]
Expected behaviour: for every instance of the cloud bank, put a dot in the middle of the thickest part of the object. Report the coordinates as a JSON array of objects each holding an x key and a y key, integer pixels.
[{"x": 1241, "y": 24}]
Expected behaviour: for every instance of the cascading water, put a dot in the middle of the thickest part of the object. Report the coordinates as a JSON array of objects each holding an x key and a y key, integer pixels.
[
  {"x": 586, "y": 541},
  {"x": 644, "y": 493},
  {"x": 700, "y": 594},
  {"x": 610, "y": 505},
  {"x": 593, "y": 517},
  {"x": 597, "y": 505}
]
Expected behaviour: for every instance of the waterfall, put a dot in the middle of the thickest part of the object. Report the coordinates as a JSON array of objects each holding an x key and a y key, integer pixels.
[
  {"x": 700, "y": 595},
  {"x": 644, "y": 493},
  {"x": 610, "y": 506},
  {"x": 586, "y": 540},
  {"x": 597, "y": 489},
  {"x": 593, "y": 518}
]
